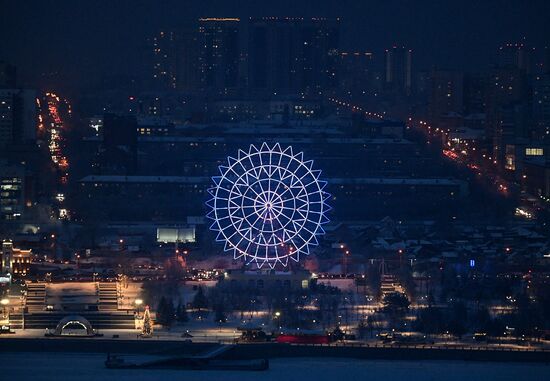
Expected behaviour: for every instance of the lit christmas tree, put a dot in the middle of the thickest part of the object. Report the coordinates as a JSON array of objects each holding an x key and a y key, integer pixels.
[{"x": 147, "y": 330}]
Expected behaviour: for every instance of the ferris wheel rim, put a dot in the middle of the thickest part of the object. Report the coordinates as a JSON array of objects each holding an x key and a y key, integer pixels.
[{"x": 247, "y": 212}]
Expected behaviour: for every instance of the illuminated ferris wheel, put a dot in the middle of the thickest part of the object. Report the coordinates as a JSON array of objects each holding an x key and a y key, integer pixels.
[{"x": 268, "y": 205}]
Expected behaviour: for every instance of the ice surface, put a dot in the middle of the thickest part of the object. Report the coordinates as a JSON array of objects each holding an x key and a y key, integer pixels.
[{"x": 87, "y": 367}]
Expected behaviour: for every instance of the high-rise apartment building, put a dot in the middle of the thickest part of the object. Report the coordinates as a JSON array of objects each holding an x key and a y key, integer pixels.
[
  {"x": 398, "y": 70},
  {"x": 13, "y": 191},
  {"x": 446, "y": 94},
  {"x": 165, "y": 59},
  {"x": 516, "y": 55},
  {"x": 175, "y": 59},
  {"x": 292, "y": 55},
  {"x": 17, "y": 117},
  {"x": 356, "y": 73},
  {"x": 541, "y": 105},
  {"x": 219, "y": 52}
]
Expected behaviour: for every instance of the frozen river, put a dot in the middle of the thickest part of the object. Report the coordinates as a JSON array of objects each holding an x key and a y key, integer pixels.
[{"x": 83, "y": 366}]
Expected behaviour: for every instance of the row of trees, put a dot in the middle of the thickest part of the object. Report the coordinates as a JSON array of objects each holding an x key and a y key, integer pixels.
[
  {"x": 286, "y": 307},
  {"x": 167, "y": 313},
  {"x": 527, "y": 318}
]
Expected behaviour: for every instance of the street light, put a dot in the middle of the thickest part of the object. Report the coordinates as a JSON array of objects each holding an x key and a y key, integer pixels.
[
  {"x": 138, "y": 303},
  {"x": 4, "y": 303},
  {"x": 277, "y": 316}
]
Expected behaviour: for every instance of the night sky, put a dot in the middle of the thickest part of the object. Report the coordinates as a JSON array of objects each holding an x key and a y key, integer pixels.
[{"x": 86, "y": 40}]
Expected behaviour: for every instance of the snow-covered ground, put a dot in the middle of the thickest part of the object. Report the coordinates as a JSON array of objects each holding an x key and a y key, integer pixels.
[{"x": 90, "y": 367}]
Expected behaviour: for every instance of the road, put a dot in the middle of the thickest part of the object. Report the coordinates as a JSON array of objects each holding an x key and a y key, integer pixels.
[{"x": 54, "y": 128}]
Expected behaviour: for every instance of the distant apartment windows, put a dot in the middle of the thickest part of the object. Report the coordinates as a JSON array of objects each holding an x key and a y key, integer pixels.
[
  {"x": 510, "y": 163},
  {"x": 534, "y": 151}
]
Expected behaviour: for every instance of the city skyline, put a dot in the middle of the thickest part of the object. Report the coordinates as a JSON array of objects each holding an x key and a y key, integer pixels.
[{"x": 460, "y": 36}]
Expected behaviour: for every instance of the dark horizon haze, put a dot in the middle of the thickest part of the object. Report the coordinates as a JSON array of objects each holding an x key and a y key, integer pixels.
[{"x": 84, "y": 42}]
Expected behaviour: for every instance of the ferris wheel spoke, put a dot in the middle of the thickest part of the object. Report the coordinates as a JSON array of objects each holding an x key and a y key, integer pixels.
[
  {"x": 277, "y": 187},
  {"x": 287, "y": 189},
  {"x": 270, "y": 195},
  {"x": 287, "y": 208},
  {"x": 263, "y": 193},
  {"x": 260, "y": 216},
  {"x": 264, "y": 219},
  {"x": 247, "y": 197}
]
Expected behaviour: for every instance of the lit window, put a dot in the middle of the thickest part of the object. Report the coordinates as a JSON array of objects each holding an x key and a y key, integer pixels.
[{"x": 534, "y": 152}]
